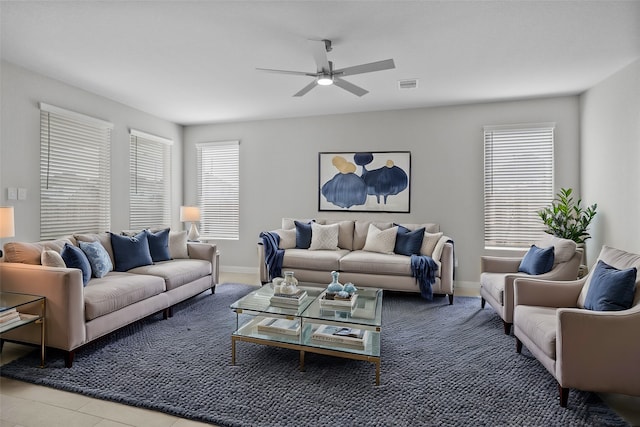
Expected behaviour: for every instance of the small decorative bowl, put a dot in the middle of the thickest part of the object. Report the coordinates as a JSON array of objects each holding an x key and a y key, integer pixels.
[{"x": 350, "y": 288}]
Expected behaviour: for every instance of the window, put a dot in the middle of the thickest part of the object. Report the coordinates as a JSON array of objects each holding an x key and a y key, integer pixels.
[
  {"x": 219, "y": 189},
  {"x": 518, "y": 181},
  {"x": 74, "y": 173},
  {"x": 149, "y": 181}
]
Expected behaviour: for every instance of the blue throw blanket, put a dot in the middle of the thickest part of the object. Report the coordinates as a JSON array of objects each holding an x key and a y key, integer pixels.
[
  {"x": 424, "y": 268},
  {"x": 272, "y": 255}
]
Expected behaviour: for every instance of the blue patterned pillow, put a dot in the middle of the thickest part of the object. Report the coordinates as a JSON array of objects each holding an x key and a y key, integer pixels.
[
  {"x": 74, "y": 258},
  {"x": 130, "y": 252},
  {"x": 98, "y": 258},
  {"x": 159, "y": 245}
]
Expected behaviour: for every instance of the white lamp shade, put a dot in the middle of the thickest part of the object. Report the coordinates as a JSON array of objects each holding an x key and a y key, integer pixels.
[
  {"x": 189, "y": 213},
  {"x": 7, "y": 228}
]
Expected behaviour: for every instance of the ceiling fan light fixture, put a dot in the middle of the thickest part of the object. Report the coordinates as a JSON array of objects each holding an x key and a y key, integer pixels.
[{"x": 325, "y": 80}]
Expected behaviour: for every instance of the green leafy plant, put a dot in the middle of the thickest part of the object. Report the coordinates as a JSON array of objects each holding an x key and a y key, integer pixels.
[{"x": 567, "y": 219}]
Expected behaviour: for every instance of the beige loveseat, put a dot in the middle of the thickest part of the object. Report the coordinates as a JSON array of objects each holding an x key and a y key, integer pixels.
[
  {"x": 388, "y": 271},
  {"x": 78, "y": 314}
]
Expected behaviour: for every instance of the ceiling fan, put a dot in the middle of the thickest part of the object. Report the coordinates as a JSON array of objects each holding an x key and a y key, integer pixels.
[{"x": 326, "y": 75}]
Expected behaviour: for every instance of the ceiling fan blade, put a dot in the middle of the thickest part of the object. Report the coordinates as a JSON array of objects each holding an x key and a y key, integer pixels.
[
  {"x": 387, "y": 64},
  {"x": 297, "y": 73},
  {"x": 349, "y": 87},
  {"x": 306, "y": 89},
  {"x": 319, "y": 52}
]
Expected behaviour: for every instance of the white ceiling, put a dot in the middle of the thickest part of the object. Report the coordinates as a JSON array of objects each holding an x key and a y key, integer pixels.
[{"x": 194, "y": 61}]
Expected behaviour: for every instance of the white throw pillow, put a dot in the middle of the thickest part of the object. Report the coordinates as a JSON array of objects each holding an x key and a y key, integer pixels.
[
  {"x": 382, "y": 241},
  {"x": 324, "y": 237},
  {"x": 51, "y": 258},
  {"x": 429, "y": 242},
  {"x": 178, "y": 244},
  {"x": 287, "y": 238}
]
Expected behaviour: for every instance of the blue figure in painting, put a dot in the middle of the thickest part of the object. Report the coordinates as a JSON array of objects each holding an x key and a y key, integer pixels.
[
  {"x": 346, "y": 188},
  {"x": 386, "y": 181},
  {"x": 363, "y": 159}
]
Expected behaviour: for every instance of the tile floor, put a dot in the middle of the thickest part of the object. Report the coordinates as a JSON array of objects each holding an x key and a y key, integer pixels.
[{"x": 28, "y": 405}]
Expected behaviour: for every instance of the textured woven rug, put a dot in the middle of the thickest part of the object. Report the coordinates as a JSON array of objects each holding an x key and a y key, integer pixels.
[{"x": 441, "y": 366}]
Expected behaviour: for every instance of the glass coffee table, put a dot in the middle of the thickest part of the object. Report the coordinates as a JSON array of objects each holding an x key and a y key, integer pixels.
[
  {"x": 313, "y": 326},
  {"x": 17, "y": 310}
]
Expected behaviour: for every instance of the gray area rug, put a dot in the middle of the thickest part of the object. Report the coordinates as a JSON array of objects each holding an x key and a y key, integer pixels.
[{"x": 441, "y": 366}]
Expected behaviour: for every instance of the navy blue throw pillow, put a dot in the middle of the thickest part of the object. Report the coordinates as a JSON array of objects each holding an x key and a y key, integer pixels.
[
  {"x": 74, "y": 258},
  {"x": 130, "y": 252},
  {"x": 303, "y": 235},
  {"x": 537, "y": 260},
  {"x": 159, "y": 245},
  {"x": 408, "y": 242},
  {"x": 611, "y": 289}
]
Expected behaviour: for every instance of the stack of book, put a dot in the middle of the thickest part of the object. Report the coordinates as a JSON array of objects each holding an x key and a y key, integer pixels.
[
  {"x": 9, "y": 316},
  {"x": 288, "y": 300},
  {"x": 350, "y": 337},
  {"x": 279, "y": 326}
]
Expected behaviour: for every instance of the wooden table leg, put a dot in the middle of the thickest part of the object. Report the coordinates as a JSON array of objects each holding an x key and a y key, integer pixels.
[{"x": 233, "y": 350}]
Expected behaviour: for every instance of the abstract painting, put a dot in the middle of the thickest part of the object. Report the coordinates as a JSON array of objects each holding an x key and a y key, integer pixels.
[{"x": 372, "y": 181}]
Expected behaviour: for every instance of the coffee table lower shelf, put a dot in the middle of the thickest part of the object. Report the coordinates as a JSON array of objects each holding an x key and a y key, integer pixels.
[{"x": 303, "y": 348}]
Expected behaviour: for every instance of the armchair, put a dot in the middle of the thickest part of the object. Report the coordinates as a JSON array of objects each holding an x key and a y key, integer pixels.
[
  {"x": 498, "y": 274},
  {"x": 588, "y": 350}
]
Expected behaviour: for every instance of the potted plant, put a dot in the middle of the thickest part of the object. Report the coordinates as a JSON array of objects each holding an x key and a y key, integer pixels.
[{"x": 567, "y": 219}]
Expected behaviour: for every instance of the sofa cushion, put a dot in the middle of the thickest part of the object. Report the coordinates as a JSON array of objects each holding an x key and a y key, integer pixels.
[
  {"x": 313, "y": 260},
  {"x": 539, "y": 324},
  {"x": 74, "y": 258},
  {"x": 429, "y": 227},
  {"x": 303, "y": 235},
  {"x": 564, "y": 249},
  {"x": 408, "y": 242},
  {"x": 494, "y": 283},
  {"x": 611, "y": 289},
  {"x": 51, "y": 258},
  {"x": 345, "y": 232},
  {"x": 117, "y": 290},
  {"x": 361, "y": 229},
  {"x": 103, "y": 238},
  {"x": 376, "y": 263},
  {"x": 98, "y": 258},
  {"x": 287, "y": 238},
  {"x": 130, "y": 252},
  {"x": 159, "y": 244},
  {"x": 537, "y": 260},
  {"x": 178, "y": 244},
  {"x": 382, "y": 241},
  {"x": 324, "y": 237},
  {"x": 289, "y": 223},
  {"x": 176, "y": 272},
  {"x": 31, "y": 253},
  {"x": 429, "y": 242}
]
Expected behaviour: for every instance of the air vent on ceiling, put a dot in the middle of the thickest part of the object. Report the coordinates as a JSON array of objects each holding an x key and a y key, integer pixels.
[{"x": 408, "y": 84}]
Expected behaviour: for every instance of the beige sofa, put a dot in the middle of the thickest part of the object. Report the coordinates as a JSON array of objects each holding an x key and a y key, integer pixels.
[
  {"x": 361, "y": 267},
  {"x": 78, "y": 314},
  {"x": 587, "y": 350}
]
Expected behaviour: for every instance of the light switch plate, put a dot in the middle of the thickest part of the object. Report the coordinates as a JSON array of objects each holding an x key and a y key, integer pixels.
[
  {"x": 22, "y": 194},
  {"x": 12, "y": 193}
]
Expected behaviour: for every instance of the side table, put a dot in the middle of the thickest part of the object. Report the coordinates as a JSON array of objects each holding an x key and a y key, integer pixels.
[{"x": 11, "y": 302}]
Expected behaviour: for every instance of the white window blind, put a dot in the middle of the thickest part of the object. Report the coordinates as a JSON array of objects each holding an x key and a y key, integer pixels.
[
  {"x": 75, "y": 154},
  {"x": 518, "y": 182},
  {"x": 149, "y": 181},
  {"x": 219, "y": 189}
]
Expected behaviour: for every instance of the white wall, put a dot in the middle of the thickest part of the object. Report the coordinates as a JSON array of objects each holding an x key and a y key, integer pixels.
[
  {"x": 279, "y": 166},
  {"x": 22, "y": 90},
  {"x": 610, "y": 160}
]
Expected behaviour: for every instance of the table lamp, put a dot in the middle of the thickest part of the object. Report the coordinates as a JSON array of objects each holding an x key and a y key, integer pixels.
[
  {"x": 7, "y": 228},
  {"x": 191, "y": 214}
]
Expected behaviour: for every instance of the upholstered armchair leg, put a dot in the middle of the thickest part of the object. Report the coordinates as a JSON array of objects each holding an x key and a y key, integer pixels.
[
  {"x": 213, "y": 290},
  {"x": 450, "y": 299},
  {"x": 482, "y": 302},
  {"x": 68, "y": 358},
  {"x": 564, "y": 395},
  {"x": 518, "y": 346},
  {"x": 507, "y": 327}
]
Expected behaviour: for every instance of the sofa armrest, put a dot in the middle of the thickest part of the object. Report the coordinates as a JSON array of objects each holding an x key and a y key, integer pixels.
[
  {"x": 546, "y": 293},
  {"x": 494, "y": 264},
  {"x": 447, "y": 265},
  {"x": 207, "y": 252},
  {"x": 63, "y": 289},
  {"x": 610, "y": 339}
]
